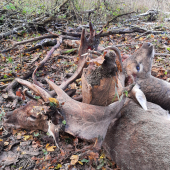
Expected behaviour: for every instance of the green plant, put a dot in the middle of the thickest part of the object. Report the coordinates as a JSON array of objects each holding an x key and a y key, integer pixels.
[
  {"x": 10, "y": 6},
  {"x": 5, "y": 76},
  {"x": 64, "y": 122},
  {"x": 2, "y": 114},
  {"x": 44, "y": 151},
  {"x": 36, "y": 134},
  {"x": 10, "y": 60}
]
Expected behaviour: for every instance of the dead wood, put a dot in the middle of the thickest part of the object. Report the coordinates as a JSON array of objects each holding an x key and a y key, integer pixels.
[
  {"x": 124, "y": 31},
  {"x": 115, "y": 17},
  {"x": 161, "y": 54},
  {"x": 45, "y": 60},
  {"x": 61, "y": 5},
  {"x": 14, "y": 31},
  {"x": 30, "y": 40}
]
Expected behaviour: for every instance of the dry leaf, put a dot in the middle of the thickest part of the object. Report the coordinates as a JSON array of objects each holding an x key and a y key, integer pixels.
[
  {"x": 54, "y": 100},
  {"x": 6, "y": 143},
  {"x": 152, "y": 36},
  {"x": 19, "y": 135},
  {"x": 141, "y": 39},
  {"x": 28, "y": 137},
  {"x": 74, "y": 159},
  {"x": 18, "y": 149},
  {"x": 81, "y": 163},
  {"x": 51, "y": 148},
  {"x": 62, "y": 152},
  {"x": 73, "y": 86},
  {"x": 93, "y": 156},
  {"x": 102, "y": 156},
  {"x": 48, "y": 157},
  {"x": 18, "y": 93},
  {"x": 58, "y": 166},
  {"x": 75, "y": 141},
  {"x": 78, "y": 80}
]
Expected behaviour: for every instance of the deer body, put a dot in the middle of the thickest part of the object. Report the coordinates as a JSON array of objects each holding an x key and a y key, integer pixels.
[
  {"x": 156, "y": 91},
  {"x": 140, "y": 139}
]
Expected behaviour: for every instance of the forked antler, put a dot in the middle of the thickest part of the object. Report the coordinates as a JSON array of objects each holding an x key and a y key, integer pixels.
[
  {"x": 85, "y": 120},
  {"x": 85, "y": 43},
  {"x": 80, "y": 118}
]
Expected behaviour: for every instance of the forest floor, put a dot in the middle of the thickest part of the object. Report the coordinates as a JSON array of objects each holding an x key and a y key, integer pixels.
[{"x": 23, "y": 150}]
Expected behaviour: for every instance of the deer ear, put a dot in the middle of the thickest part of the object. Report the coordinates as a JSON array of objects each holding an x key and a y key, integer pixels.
[{"x": 139, "y": 96}]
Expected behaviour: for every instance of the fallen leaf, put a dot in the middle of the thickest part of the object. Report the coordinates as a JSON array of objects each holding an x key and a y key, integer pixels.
[
  {"x": 19, "y": 135},
  {"x": 18, "y": 149},
  {"x": 51, "y": 148},
  {"x": 102, "y": 156},
  {"x": 54, "y": 100},
  {"x": 93, "y": 156},
  {"x": 58, "y": 166},
  {"x": 28, "y": 137},
  {"x": 78, "y": 80},
  {"x": 6, "y": 143},
  {"x": 18, "y": 93},
  {"x": 141, "y": 39},
  {"x": 152, "y": 36},
  {"x": 74, "y": 159},
  {"x": 48, "y": 157},
  {"x": 73, "y": 86},
  {"x": 75, "y": 141},
  {"x": 85, "y": 160},
  {"x": 14, "y": 132},
  {"x": 80, "y": 162},
  {"x": 62, "y": 152}
]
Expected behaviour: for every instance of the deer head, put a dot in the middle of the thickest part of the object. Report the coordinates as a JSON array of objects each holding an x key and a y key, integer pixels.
[
  {"x": 140, "y": 63},
  {"x": 138, "y": 66}
]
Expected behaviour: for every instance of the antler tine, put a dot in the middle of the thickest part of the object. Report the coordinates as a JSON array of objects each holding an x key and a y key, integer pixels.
[
  {"x": 57, "y": 89},
  {"x": 35, "y": 88}
]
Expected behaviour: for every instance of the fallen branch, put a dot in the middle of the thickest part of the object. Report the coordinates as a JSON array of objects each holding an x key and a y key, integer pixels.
[
  {"x": 45, "y": 60},
  {"x": 30, "y": 40},
  {"x": 13, "y": 31},
  {"x": 114, "y": 18}
]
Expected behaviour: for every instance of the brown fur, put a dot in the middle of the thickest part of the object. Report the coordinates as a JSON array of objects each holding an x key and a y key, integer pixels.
[{"x": 140, "y": 139}]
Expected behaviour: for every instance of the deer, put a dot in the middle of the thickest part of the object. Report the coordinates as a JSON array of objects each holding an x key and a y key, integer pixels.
[
  {"x": 139, "y": 139},
  {"x": 138, "y": 66}
]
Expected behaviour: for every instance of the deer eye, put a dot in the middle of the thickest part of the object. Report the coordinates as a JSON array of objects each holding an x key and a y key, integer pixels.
[{"x": 138, "y": 67}]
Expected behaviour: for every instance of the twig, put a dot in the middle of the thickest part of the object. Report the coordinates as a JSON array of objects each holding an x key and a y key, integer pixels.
[
  {"x": 45, "y": 60},
  {"x": 116, "y": 18},
  {"x": 162, "y": 54},
  {"x": 8, "y": 79}
]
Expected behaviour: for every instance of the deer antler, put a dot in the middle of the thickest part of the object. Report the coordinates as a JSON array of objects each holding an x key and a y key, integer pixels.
[{"x": 84, "y": 120}]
